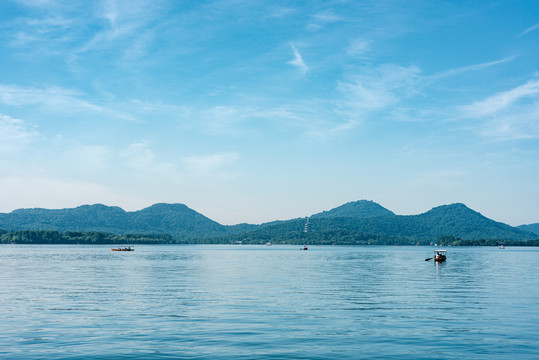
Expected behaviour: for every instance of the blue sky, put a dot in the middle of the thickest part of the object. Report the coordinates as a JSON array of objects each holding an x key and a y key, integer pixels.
[{"x": 251, "y": 111}]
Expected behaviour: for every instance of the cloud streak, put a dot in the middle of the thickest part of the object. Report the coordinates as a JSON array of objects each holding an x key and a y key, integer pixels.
[
  {"x": 469, "y": 68},
  {"x": 498, "y": 102},
  {"x": 15, "y": 134},
  {"x": 508, "y": 115},
  {"x": 528, "y": 30},
  {"x": 56, "y": 100},
  {"x": 379, "y": 88},
  {"x": 297, "y": 61}
]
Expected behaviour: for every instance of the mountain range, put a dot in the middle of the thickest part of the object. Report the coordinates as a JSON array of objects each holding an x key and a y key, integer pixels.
[{"x": 354, "y": 220}]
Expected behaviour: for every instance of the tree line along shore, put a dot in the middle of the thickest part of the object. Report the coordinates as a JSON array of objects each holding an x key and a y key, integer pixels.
[{"x": 330, "y": 237}]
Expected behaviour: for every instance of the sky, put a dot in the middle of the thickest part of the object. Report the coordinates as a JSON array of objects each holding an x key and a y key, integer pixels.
[{"x": 253, "y": 111}]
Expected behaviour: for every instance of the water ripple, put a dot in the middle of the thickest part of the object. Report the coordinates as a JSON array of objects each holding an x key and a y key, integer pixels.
[{"x": 257, "y": 302}]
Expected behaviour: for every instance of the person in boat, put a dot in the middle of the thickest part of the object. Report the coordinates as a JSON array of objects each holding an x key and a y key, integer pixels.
[{"x": 440, "y": 256}]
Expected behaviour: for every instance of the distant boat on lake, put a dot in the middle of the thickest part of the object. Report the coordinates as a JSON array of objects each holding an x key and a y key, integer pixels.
[
  {"x": 439, "y": 256},
  {"x": 304, "y": 247},
  {"x": 128, "y": 248},
  {"x": 502, "y": 247}
]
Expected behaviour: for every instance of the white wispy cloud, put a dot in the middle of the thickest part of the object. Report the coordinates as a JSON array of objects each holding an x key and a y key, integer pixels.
[
  {"x": 15, "y": 134},
  {"x": 225, "y": 119},
  {"x": 215, "y": 165},
  {"x": 530, "y": 29},
  {"x": 140, "y": 156},
  {"x": 60, "y": 28},
  {"x": 498, "y": 102},
  {"x": 313, "y": 27},
  {"x": 512, "y": 114},
  {"x": 379, "y": 88},
  {"x": 319, "y": 20},
  {"x": 370, "y": 91},
  {"x": 469, "y": 68},
  {"x": 327, "y": 16},
  {"x": 18, "y": 95},
  {"x": 142, "y": 165},
  {"x": 56, "y": 100},
  {"x": 282, "y": 12},
  {"x": 91, "y": 159},
  {"x": 244, "y": 121},
  {"x": 523, "y": 124},
  {"x": 298, "y": 60},
  {"x": 49, "y": 29},
  {"x": 40, "y": 3},
  {"x": 123, "y": 20},
  {"x": 318, "y": 119},
  {"x": 328, "y": 130},
  {"x": 358, "y": 47},
  {"x": 110, "y": 13}
]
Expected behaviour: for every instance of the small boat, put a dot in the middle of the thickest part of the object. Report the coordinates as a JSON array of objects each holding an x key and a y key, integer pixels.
[
  {"x": 502, "y": 247},
  {"x": 304, "y": 247},
  {"x": 128, "y": 248},
  {"x": 268, "y": 243},
  {"x": 439, "y": 255}
]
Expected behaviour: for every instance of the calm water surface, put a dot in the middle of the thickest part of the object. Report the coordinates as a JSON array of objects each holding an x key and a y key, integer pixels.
[{"x": 261, "y": 302}]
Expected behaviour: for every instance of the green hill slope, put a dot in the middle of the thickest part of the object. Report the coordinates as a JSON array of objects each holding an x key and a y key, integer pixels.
[
  {"x": 175, "y": 219},
  {"x": 359, "y": 222},
  {"x": 534, "y": 228},
  {"x": 356, "y": 209},
  {"x": 456, "y": 220}
]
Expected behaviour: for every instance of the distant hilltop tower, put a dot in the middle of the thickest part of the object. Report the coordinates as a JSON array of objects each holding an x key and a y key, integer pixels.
[{"x": 307, "y": 226}]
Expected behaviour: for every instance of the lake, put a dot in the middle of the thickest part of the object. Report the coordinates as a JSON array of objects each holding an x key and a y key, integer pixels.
[{"x": 267, "y": 302}]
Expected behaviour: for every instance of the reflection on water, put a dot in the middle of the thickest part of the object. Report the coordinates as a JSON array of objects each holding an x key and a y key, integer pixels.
[{"x": 267, "y": 302}]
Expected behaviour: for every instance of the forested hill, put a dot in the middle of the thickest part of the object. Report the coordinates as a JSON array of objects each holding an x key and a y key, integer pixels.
[
  {"x": 534, "y": 228},
  {"x": 355, "y": 222},
  {"x": 454, "y": 222},
  {"x": 176, "y": 220},
  {"x": 460, "y": 221},
  {"x": 356, "y": 209}
]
